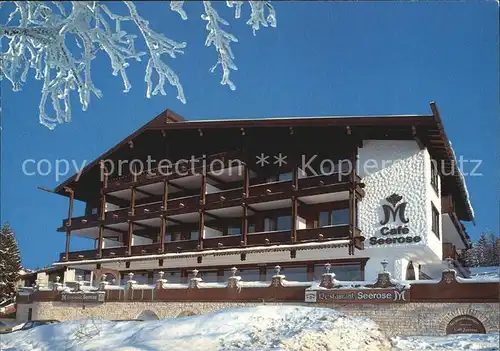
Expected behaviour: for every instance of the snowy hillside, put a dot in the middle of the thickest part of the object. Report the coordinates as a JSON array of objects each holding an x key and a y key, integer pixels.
[
  {"x": 485, "y": 273},
  {"x": 253, "y": 328}
]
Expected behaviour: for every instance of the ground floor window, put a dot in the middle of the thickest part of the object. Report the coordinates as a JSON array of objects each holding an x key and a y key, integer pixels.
[
  {"x": 173, "y": 276},
  {"x": 342, "y": 272},
  {"x": 295, "y": 274},
  {"x": 208, "y": 276},
  {"x": 249, "y": 274}
]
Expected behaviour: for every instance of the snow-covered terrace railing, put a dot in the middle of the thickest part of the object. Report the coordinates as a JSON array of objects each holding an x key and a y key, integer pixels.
[{"x": 449, "y": 289}]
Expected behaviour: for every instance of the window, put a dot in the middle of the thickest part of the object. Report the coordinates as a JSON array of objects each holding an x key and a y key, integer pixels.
[
  {"x": 233, "y": 230},
  {"x": 251, "y": 228},
  {"x": 284, "y": 223},
  {"x": 172, "y": 236},
  {"x": 340, "y": 216},
  {"x": 249, "y": 274},
  {"x": 208, "y": 276},
  {"x": 272, "y": 179},
  {"x": 342, "y": 272},
  {"x": 285, "y": 176},
  {"x": 324, "y": 219},
  {"x": 434, "y": 175},
  {"x": 435, "y": 220},
  {"x": 173, "y": 276},
  {"x": 326, "y": 168},
  {"x": 269, "y": 225},
  {"x": 294, "y": 274},
  {"x": 333, "y": 217},
  {"x": 193, "y": 235}
]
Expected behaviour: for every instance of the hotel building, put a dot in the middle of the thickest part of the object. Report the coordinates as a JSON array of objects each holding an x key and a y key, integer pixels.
[{"x": 179, "y": 195}]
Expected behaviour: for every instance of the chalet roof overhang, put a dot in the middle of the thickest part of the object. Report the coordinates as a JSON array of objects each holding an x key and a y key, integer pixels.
[{"x": 426, "y": 129}]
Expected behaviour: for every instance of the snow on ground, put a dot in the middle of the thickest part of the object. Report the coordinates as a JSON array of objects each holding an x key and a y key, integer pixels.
[
  {"x": 263, "y": 327},
  {"x": 476, "y": 342},
  {"x": 485, "y": 273}
]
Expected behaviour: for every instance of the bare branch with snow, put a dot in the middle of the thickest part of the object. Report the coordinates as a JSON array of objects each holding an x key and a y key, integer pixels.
[{"x": 40, "y": 37}]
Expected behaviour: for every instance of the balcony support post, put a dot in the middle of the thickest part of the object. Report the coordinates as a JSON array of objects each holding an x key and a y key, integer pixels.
[
  {"x": 131, "y": 212},
  {"x": 246, "y": 189},
  {"x": 68, "y": 223},
  {"x": 129, "y": 237},
  {"x": 102, "y": 217},
  {"x": 352, "y": 199},
  {"x": 203, "y": 200},
  {"x": 295, "y": 202},
  {"x": 68, "y": 240},
  {"x": 163, "y": 229}
]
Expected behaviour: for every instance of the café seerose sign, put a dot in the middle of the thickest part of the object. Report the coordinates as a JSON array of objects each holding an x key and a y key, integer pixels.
[
  {"x": 392, "y": 295},
  {"x": 392, "y": 234},
  {"x": 97, "y": 297}
]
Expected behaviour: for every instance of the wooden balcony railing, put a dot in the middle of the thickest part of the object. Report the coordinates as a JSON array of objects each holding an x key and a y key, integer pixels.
[
  {"x": 337, "y": 232},
  {"x": 271, "y": 238},
  {"x": 270, "y": 188},
  {"x": 450, "y": 251},
  {"x": 156, "y": 174},
  {"x": 181, "y": 246},
  {"x": 119, "y": 251},
  {"x": 322, "y": 180},
  {"x": 282, "y": 237},
  {"x": 120, "y": 214},
  {"x": 226, "y": 198},
  {"x": 222, "y": 242}
]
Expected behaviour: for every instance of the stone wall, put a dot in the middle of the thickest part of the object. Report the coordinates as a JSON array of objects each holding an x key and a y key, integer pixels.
[
  {"x": 423, "y": 318},
  {"x": 393, "y": 319}
]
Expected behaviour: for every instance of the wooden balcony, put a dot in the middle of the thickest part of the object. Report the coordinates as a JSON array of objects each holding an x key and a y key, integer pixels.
[
  {"x": 265, "y": 192},
  {"x": 157, "y": 174},
  {"x": 450, "y": 251},
  {"x": 338, "y": 232},
  {"x": 222, "y": 242}
]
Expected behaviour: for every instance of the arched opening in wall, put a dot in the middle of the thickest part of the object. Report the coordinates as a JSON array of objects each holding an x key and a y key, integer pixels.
[
  {"x": 465, "y": 324},
  {"x": 147, "y": 315},
  {"x": 410, "y": 272},
  {"x": 186, "y": 314}
]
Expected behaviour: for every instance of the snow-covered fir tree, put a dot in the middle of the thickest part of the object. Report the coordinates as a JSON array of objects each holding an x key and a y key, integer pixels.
[
  {"x": 39, "y": 38},
  {"x": 10, "y": 263},
  {"x": 485, "y": 252},
  {"x": 482, "y": 250}
]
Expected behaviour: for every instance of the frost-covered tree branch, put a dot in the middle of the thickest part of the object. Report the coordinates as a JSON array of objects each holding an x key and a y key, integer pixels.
[{"x": 57, "y": 42}]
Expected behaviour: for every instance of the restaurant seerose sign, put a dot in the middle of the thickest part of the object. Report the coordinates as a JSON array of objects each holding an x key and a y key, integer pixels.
[
  {"x": 83, "y": 297},
  {"x": 392, "y": 295}
]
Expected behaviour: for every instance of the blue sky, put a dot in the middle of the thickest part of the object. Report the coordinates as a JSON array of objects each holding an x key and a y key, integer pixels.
[{"x": 324, "y": 58}]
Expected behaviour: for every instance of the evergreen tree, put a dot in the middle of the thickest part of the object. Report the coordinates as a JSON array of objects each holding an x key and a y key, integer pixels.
[
  {"x": 497, "y": 247},
  {"x": 494, "y": 259},
  {"x": 10, "y": 263},
  {"x": 470, "y": 256}
]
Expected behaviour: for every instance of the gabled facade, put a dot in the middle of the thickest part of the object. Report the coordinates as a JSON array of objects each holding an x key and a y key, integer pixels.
[{"x": 299, "y": 192}]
